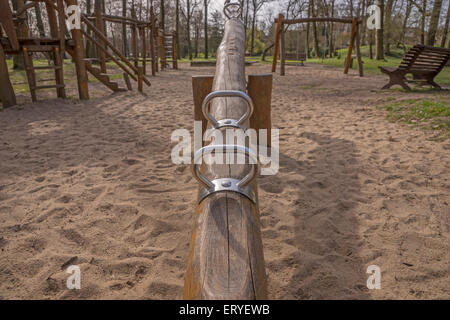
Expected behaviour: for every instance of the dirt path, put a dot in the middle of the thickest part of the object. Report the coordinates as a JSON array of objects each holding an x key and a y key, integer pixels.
[{"x": 92, "y": 184}]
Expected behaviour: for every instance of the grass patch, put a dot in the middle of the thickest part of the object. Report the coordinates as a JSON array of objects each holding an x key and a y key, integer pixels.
[{"x": 424, "y": 114}]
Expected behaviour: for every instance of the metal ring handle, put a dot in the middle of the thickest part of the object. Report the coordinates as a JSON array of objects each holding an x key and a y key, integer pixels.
[
  {"x": 227, "y": 12},
  {"x": 227, "y": 93},
  {"x": 227, "y": 148}
]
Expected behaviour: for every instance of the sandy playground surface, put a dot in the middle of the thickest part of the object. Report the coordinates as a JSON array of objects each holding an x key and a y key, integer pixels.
[{"x": 91, "y": 183}]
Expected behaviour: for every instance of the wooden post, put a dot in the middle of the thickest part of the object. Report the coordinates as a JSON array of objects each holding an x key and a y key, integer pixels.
[
  {"x": 7, "y": 95},
  {"x": 57, "y": 54},
  {"x": 201, "y": 87},
  {"x": 126, "y": 78},
  {"x": 6, "y": 20},
  {"x": 100, "y": 26},
  {"x": 277, "y": 40},
  {"x": 152, "y": 41},
  {"x": 350, "y": 47},
  {"x": 140, "y": 76},
  {"x": 80, "y": 66},
  {"x": 144, "y": 48},
  {"x": 358, "y": 50},
  {"x": 134, "y": 44},
  {"x": 226, "y": 259},
  {"x": 174, "y": 50},
  {"x": 162, "y": 50},
  {"x": 283, "y": 53},
  {"x": 260, "y": 90}
]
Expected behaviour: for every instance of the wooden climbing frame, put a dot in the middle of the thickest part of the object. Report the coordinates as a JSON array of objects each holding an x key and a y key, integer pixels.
[{"x": 279, "y": 40}]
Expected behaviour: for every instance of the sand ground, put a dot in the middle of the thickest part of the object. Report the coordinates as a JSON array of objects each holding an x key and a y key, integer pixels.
[{"x": 91, "y": 183}]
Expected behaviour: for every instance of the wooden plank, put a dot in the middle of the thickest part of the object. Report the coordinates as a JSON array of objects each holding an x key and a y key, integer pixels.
[
  {"x": 7, "y": 96},
  {"x": 226, "y": 259},
  {"x": 152, "y": 43},
  {"x": 318, "y": 19},
  {"x": 57, "y": 58},
  {"x": 29, "y": 70},
  {"x": 126, "y": 78},
  {"x": 6, "y": 20},
  {"x": 174, "y": 51},
  {"x": 358, "y": 51},
  {"x": 260, "y": 90},
  {"x": 143, "y": 48},
  {"x": 114, "y": 49},
  {"x": 140, "y": 75},
  {"x": 110, "y": 56},
  {"x": 277, "y": 41},
  {"x": 350, "y": 47},
  {"x": 201, "y": 87},
  {"x": 80, "y": 64},
  {"x": 100, "y": 26},
  {"x": 282, "y": 53}
]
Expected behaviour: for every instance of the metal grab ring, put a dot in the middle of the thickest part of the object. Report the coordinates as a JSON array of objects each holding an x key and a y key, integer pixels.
[
  {"x": 227, "y": 12},
  {"x": 227, "y": 122},
  {"x": 225, "y": 147}
]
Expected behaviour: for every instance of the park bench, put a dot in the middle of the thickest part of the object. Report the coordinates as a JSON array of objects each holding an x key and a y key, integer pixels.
[
  {"x": 300, "y": 56},
  {"x": 423, "y": 62}
]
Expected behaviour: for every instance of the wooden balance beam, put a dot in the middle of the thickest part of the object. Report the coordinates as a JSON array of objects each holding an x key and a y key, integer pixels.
[{"x": 226, "y": 258}]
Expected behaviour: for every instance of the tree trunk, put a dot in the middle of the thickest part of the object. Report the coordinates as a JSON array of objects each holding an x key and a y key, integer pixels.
[
  {"x": 177, "y": 25},
  {"x": 379, "y": 54},
  {"x": 387, "y": 26},
  {"x": 405, "y": 22},
  {"x": 252, "y": 39},
  {"x": 40, "y": 24},
  {"x": 22, "y": 31},
  {"x": 162, "y": 22},
  {"x": 124, "y": 29},
  {"x": 444, "y": 35},
  {"x": 188, "y": 27},
  {"x": 315, "y": 37},
  {"x": 434, "y": 22},
  {"x": 308, "y": 54},
  {"x": 206, "y": 28},
  {"x": 422, "y": 23}
]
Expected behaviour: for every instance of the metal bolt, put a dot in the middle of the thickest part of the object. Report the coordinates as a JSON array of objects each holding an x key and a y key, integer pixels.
[{"x": 226, "y": 184}]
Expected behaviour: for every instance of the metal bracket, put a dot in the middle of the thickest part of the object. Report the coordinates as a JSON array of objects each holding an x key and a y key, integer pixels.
[
  {"x": 226, "y": 184},
  {"x": 236, "y": 13},
  {"x": 227, "y": 122}
]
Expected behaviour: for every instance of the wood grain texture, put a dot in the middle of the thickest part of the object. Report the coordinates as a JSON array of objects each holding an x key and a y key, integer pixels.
[
  {"x": 260, "y": 90},
  {"x": 7, "y": 96},
  {"x": 226, "y": 258},
  {"x": 201, "y": 87},
  {"x": 350, "y": 47},
  {"x": 6, "y": 20},
  {"x": 279, "y": 22}
]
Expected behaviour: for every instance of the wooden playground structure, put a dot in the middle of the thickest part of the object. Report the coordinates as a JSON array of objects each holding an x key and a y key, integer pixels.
[
  {"x": 17, "y": 41},
  {"x": 280, "y": 40},
  {"x": 226, "y": 258}
]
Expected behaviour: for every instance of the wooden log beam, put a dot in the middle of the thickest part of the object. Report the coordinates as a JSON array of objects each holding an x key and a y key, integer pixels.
[
  {"x": 80, "y": 66},
  {"x": 325, "y": 19},
  {"x": 174, "y": 50},
  {"x": 226, "y": 259},
  {"x": 277, "y": 41},
  {"x": 7, "y": 96},
  {"x": 282, "y": 53},
  {"x": 358, "y": 50},
  {"x": 350, "y": 46},
  {"x": 100, "y": 26}
]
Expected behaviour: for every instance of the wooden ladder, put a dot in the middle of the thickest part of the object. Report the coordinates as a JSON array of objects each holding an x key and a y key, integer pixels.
[{"x": 54, "y": 49}]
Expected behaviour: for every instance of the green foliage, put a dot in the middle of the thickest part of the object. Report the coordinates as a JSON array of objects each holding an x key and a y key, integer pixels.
[{"x": 258, "y": 45}]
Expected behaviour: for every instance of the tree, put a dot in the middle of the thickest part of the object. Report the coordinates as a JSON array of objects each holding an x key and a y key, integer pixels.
[
  {"x": 387, "y": 25},
  {"x": 256, "y": 6},
  {"x": 124, "y": 29},
  {"x": 379, "y": 53},
  {"x": 444, "y": 35},
  {"x": 205, "y": 27},
  {"x": 434, "y": 21}
]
